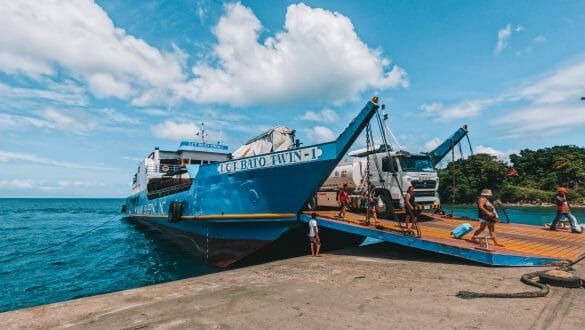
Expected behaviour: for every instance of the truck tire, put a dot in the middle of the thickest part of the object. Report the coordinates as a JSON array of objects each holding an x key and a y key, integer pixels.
[
  {"x": 312, "y": 204},
  {"x": 386, "y": 210}
]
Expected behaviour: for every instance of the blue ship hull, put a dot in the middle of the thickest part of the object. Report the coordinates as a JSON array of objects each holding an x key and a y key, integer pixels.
[{"x": 236, "y": 207}]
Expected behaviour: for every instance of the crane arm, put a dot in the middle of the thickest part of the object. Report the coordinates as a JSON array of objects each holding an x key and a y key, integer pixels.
[{"x": 437, "y": 154}]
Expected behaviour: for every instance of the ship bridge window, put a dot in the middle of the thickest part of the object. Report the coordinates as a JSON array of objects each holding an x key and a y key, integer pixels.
[
  {"x": 135, "y": 178},
  {"x": 170, "y": 162},
  {"x": 195, "y": 162}
]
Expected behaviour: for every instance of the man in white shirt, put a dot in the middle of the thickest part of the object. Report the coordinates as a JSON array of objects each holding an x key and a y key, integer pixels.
[{"x": 314, "y": 239}]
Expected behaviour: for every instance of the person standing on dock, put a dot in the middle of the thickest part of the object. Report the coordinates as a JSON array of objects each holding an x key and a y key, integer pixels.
[
  {"x": 487, "y": 215},
  {"x": 410, "y": 204},
  {"x": 314, "y": 239},
  {"x": 343, "y": 199},
  {"x": 563, "y": 210}
]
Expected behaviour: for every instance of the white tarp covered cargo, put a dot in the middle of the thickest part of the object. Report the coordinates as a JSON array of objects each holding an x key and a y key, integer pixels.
[{"x": 276, "y": 139}]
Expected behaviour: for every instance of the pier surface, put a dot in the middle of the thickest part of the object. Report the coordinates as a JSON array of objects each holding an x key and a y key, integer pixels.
[
  {"x": 523, "y": 245},
  {"x": 379, "y": 286}
]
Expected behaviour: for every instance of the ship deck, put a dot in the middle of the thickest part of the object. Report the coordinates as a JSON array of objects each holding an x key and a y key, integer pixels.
[{"x": 523, "y": 245}]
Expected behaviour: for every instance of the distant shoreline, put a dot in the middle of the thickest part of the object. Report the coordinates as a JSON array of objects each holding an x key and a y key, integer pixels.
[
  {"x": 537, "y": 204},
  {"x": 527, "y": 204}
]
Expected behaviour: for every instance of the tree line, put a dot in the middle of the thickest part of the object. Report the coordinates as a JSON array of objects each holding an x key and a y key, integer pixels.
[{"x": 532, "y": 176}]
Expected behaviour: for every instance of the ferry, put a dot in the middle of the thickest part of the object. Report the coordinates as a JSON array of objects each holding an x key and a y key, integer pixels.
[{"x": 229, "y": 205}]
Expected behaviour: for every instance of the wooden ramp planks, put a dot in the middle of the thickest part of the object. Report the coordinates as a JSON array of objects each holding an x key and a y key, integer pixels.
[{"x": 521, "y": 242}]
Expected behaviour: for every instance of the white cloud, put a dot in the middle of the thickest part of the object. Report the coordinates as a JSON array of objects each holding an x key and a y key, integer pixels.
[
  {"x": 65, "y": 93},
  {"x": 564, "y": 85},
  {"x": 503, "y": 37},
  {"x": 17, "y": 184},
  {"x": 325, "y": 115},
  {"x": 8, "y": 156},
  {"x": 132, "y": 158},
  {"x": 172, "y": 130},
  {"x": 464, "y": 109},
  {"x": 500, "y": 155},
  {"x": 104, "y": 85},
  {"x": 542, "y": 120},
  {"x": 78, "y": 122},
  {"x": 539, "y": 39},
  {"x": 321, "y": 134},
  {"x": 114, "y": 116},
  {"x": 519, "y": 28},
  {"x": 30, "y": 185},
  {"x": 155, "y": 112},
  {"x": 317, "y": 55},
  {"x": 41, "y": 37},
  {"x": 432, "y": 144},
  {"x": 73, "y": 121}
]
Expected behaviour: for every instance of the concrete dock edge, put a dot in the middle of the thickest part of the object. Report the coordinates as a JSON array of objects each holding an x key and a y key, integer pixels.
[{"x": 380, "y": 286}]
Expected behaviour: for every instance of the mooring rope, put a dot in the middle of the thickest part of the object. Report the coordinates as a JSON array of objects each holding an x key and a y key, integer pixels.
[
  {"x": 526, "y": 279},
  {"x": 60, "y": 243}
]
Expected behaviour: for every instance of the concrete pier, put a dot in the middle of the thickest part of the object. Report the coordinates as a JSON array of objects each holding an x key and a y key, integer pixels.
[{"x": 375, "y": 287}]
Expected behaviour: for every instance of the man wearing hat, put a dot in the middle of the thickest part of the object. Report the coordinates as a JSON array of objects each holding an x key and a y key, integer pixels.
[
  {"x": 487, "y": 215},
  {"x": 563, "y": 210}
]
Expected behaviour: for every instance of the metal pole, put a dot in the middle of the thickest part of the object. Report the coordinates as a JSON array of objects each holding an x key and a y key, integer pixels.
[{"x": 453, "y": 177}]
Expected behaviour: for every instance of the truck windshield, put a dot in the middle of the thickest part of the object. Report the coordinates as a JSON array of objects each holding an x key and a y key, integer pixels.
[{"x": 416, "y": 164}]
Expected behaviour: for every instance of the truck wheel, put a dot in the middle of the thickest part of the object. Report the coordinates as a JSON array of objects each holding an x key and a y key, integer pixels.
[
  {"x": 312, "y": 205},
  {"x": 384, "y": 210}
]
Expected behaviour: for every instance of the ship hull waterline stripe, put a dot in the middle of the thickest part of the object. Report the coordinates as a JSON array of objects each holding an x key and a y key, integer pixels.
[{"x": 224, "y": 216}]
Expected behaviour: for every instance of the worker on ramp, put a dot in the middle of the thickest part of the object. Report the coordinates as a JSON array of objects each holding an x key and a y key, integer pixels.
[{"x": 564, "y": 210}]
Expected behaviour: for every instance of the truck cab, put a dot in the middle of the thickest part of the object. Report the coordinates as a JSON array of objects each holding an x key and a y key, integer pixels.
[
  {"x": 411, "y": 169},
  {"x": 414, "y": 170}
]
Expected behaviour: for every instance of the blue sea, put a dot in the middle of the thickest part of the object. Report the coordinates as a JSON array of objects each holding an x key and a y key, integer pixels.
[
  {"x": 103, "y": 253},
  {"x": 115, "y": 256}
]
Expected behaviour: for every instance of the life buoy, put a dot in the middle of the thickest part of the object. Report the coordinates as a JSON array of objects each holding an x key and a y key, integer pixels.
[
  {"x": 165, "y": 168},
  {"x": 175, "y": 211}
]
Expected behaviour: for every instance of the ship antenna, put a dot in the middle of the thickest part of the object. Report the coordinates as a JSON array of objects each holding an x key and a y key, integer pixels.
[
  {"x": 220, "y": 133},
  {"x": 203, "y": 132}
]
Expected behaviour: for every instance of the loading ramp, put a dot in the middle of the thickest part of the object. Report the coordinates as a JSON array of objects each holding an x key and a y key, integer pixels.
[{"x": 524, "y": 245}]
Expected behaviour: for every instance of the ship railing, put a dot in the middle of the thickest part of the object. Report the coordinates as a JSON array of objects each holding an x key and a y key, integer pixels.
[{"x": 162, "y": 168}]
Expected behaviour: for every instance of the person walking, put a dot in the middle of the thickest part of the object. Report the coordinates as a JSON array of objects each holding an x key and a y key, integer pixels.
[
  {"x": 487, "y": 215},
  {"x": 343, "y": 199},
  {"x": 410, "y": 203},
  {"x": 370, "y": 200},
  {"x": 314, "y": 239},
  {"x": 563, "y": 210}
]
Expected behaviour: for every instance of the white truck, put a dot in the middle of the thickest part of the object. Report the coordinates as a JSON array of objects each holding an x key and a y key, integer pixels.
[{"x": 417, "y": 170}]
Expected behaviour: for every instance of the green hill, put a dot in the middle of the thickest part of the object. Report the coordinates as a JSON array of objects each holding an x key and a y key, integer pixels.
[{"x": 531, "y": 177}]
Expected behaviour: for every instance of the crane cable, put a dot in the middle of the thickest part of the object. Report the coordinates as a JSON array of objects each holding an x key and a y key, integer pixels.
[{"x": 389, "y": 200}]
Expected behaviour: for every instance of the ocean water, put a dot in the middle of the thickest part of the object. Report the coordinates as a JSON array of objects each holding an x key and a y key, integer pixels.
[
  {"x": 115, "y": 256},
  {"x": 537, "y": 216},
  {"x": 112, "y": 254}
]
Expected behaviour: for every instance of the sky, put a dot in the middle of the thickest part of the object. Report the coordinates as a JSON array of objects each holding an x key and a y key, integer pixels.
[{"x": 89, "y": 88}]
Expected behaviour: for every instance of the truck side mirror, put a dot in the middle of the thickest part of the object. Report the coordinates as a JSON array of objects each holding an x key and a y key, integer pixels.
[{"x": 388, "y": 165}]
